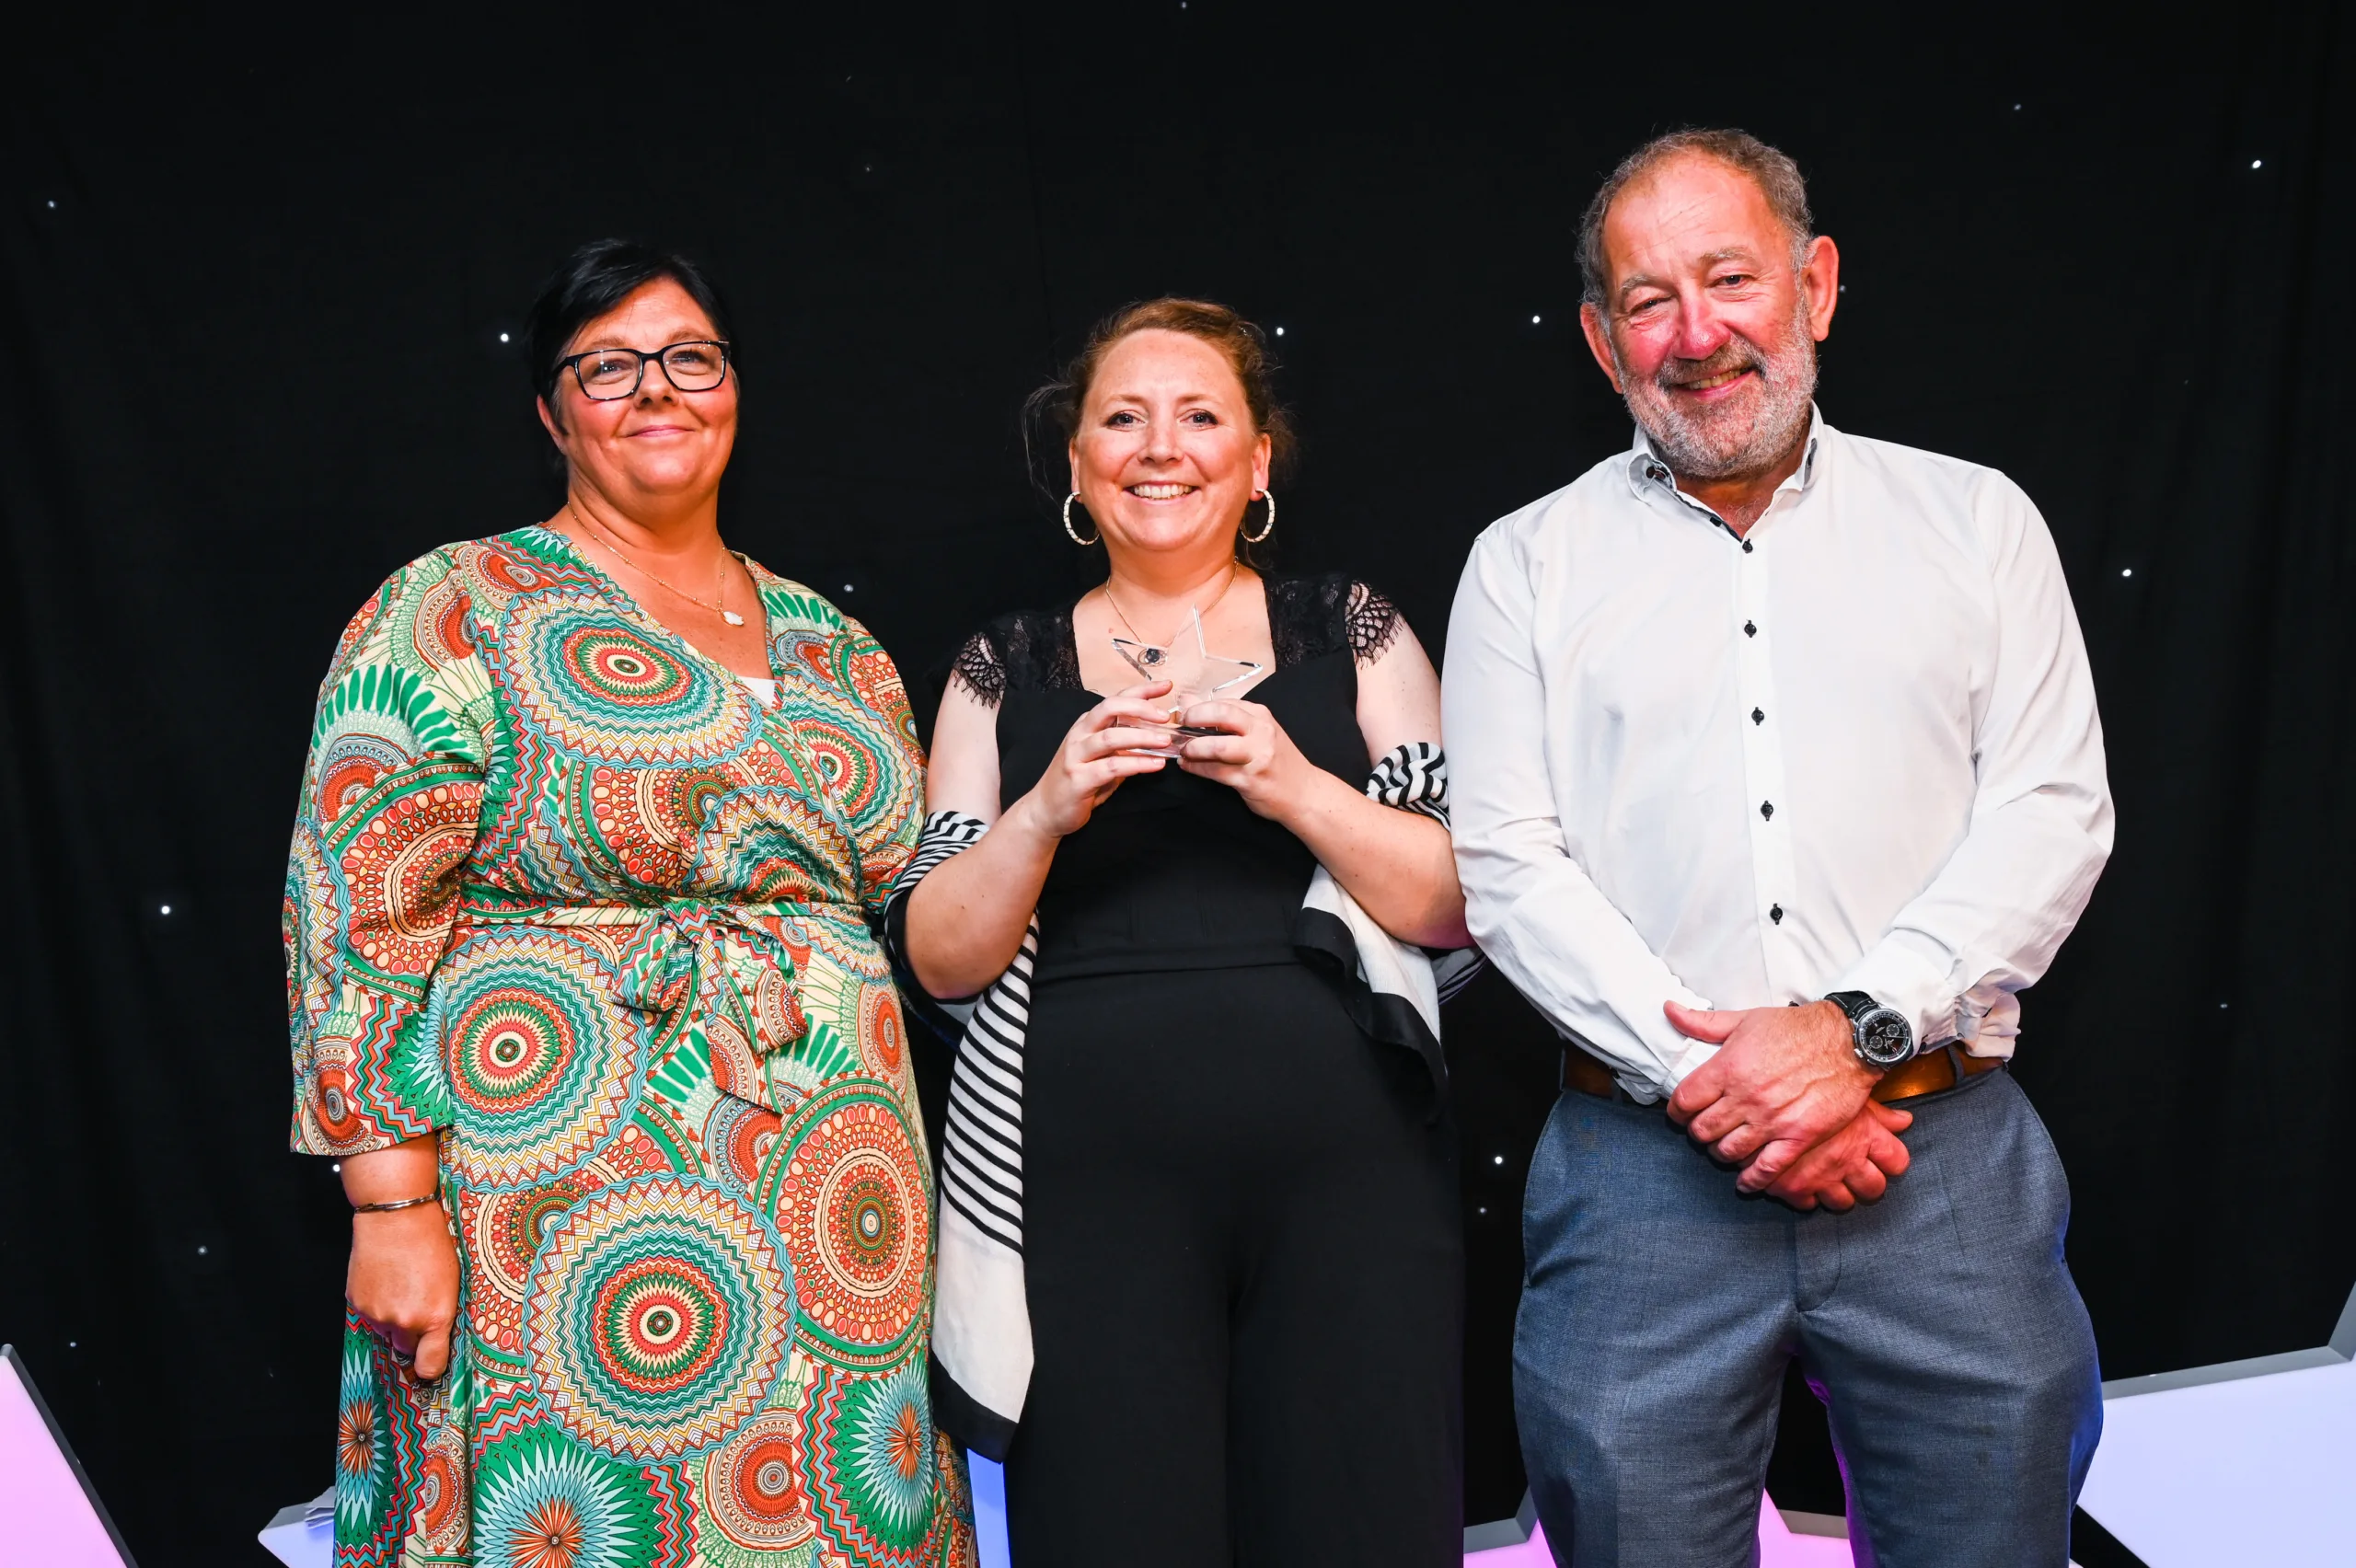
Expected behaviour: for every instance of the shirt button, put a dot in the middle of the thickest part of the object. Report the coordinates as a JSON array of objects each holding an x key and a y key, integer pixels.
[
  {"x": 1656, "y": 473},
  {"x": 1757, "y": 717},
  {"x": 1748, "y": 630},
  {"x": 1745, "y": 547},
  {"x": 1767, "y": 809},
  {"x": 1775, "y": 913}
]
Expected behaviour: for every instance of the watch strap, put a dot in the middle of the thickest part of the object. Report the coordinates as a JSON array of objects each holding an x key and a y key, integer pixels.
[
  {"x": 1859, "y": 1005},
  {"x": 1856, "y": 1004}
]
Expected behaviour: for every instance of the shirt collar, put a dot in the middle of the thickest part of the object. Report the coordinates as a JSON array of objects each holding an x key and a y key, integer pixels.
[{"x": 1645, "y": 466}]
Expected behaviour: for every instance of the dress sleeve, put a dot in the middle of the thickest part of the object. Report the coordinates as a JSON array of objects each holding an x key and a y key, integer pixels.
[
  {"x": 886, "y": 813},
  {"x": 1310, "y": 618},
  {"x": 392, "y": 793},
  {"x": 1370, "y": 622},
  {"x": 979, "y": 665}
]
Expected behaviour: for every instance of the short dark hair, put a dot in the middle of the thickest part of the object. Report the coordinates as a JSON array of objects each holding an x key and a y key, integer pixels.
[
  {"x": 592, "y": 281},
  {"x": 1773, "y": 170}
]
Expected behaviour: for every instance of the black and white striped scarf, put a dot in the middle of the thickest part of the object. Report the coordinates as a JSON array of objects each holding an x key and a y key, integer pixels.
[{"x": 981, "y": 1327}]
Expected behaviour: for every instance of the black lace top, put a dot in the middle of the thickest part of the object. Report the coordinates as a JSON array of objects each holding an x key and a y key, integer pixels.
[
  {"x": 1307, "y": 618},
  {"x": 1173, "y": 872}
]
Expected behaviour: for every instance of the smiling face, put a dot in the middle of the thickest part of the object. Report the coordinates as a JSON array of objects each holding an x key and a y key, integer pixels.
[
  {"x": 1709, "y": 329},
  {"x": 660, "y": 449},
  {"x": 1166, "y": 456}
]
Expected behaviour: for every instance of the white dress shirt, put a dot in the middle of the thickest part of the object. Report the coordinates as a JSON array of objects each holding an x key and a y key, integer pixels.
[{"x": 1856, "y": 750}]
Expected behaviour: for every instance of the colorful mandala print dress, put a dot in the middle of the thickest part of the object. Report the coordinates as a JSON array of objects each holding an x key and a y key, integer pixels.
[{"x": 572, "y": 895}]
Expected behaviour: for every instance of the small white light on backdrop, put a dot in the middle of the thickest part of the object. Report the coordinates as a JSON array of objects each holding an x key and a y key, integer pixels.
[
  {"x": 1533, "y": 321},
  {"x": 847, "y": 588},
  {"x": 1280, "y": 331},
  {"x": 167, "y": 909},
  {"x": 2126, "y": 571},
  {"x": 2257, "y": 162},
  {"x": 1500, "y": 1159},
  {"x": 502, "y": 337}
]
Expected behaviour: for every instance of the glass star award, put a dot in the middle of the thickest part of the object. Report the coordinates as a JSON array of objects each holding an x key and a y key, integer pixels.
[{"x": 1195, "y": 674}]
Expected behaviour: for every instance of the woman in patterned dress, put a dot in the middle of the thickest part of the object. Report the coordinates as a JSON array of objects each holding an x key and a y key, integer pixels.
[{"x": 585, "y": 997}]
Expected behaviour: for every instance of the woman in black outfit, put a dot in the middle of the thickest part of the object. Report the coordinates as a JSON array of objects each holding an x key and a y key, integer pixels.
[{"x": 1229, "y": 1212}]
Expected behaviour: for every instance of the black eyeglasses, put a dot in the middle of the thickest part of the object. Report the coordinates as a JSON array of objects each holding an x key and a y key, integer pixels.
[{"x": 607, "y": 375}]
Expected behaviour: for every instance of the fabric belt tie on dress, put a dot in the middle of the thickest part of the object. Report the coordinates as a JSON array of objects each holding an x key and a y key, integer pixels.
[
  {"x": 727, "y": 964},
  {"x": 710, "y": 953},
  {"x": 1937, "y": 1068}
]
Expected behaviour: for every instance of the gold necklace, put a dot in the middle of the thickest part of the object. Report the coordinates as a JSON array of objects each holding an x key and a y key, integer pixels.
[
  {"x": 1131, "y": 626},
  {"x": 719, "y": 570}
]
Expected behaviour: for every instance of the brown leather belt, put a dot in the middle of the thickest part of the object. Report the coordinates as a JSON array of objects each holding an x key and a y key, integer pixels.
[{"x": 1929, "y": 1073}]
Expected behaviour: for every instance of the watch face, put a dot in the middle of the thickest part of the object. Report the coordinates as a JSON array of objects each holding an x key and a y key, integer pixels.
[{"x": 1883, "y": 1037}]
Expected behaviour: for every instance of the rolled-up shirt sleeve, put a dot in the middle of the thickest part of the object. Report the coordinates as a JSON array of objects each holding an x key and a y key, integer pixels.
[
  {"x": 1529, "y": 902},
  {"x": 1988, "y": 923}
]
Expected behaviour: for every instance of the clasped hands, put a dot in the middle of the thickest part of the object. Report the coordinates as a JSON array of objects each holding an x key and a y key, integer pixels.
[
  {"x": 1123, "y": 736},
  {"x": 1786, "y": 1099}
]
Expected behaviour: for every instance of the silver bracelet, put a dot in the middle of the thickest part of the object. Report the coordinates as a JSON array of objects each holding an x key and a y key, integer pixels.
[{"x": 399, "y": 1204}]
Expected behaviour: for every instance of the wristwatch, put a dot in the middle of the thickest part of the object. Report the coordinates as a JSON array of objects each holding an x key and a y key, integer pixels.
[{"x": 1884, "y": 1038}]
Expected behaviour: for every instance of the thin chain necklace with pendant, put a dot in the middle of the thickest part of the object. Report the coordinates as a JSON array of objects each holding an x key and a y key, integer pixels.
[
  {"x": 719, "y": 571},
  {"x": 1131, "y": 626}
]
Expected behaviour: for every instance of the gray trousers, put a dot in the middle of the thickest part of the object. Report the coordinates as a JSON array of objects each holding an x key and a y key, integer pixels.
[{"x": 1940, "y": 1326}]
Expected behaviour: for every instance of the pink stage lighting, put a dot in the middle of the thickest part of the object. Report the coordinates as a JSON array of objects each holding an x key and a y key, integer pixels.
[
  {"x": 1778, "y": 1548},
  {"x": 47, "y": 1514}
]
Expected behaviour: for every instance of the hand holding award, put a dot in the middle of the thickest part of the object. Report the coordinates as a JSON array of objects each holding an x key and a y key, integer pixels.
[{"x": 1195, "y": 674}]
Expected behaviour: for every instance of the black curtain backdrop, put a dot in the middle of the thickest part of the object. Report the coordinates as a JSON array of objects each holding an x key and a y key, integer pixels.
[{"x": 253, "y": 286}]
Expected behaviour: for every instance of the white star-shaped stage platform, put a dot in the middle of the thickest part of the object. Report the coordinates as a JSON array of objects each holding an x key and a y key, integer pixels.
[{"x": 2251, "y": 1463}]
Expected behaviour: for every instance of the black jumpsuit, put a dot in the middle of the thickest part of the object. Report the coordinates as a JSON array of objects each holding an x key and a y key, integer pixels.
[{"x": 1243, "y": 1262}]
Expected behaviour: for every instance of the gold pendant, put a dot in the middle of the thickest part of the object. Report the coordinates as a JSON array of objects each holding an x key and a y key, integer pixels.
[{"x": 732, "y": 618}]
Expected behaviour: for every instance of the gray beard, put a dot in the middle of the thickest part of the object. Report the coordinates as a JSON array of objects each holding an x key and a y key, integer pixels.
[{"x": 1732, "y": 444}]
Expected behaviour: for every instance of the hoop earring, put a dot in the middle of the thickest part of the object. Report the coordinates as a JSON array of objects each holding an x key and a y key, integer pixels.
[
  {"x": 1076, "y": 539},
  {"x": 1270, "y": 525}
]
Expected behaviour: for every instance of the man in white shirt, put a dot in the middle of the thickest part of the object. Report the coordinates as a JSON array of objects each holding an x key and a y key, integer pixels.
[{"x": 1776, "y": 776}]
